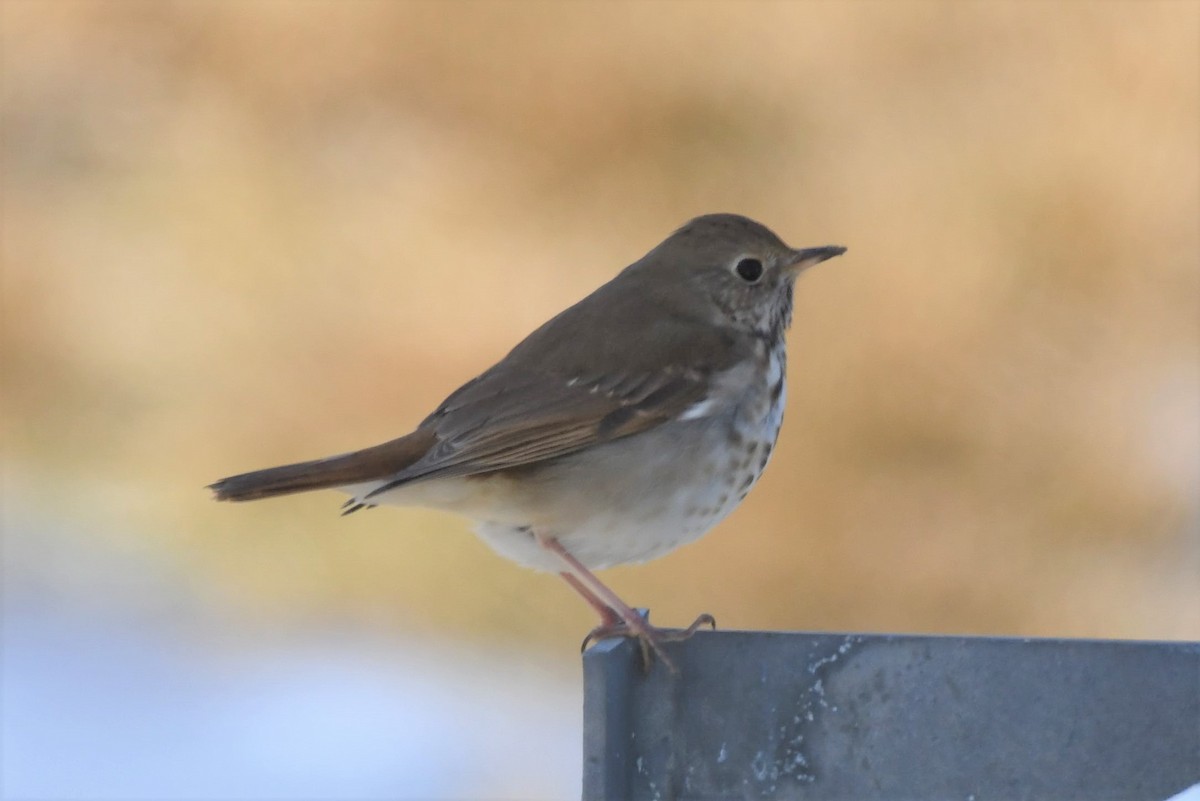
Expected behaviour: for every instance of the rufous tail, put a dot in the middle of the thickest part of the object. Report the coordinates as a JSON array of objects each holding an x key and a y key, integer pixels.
[{"x": 370, "y": 464}]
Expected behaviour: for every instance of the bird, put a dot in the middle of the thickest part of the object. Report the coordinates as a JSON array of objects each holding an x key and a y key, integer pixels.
[{"x": 624, "y": 427}]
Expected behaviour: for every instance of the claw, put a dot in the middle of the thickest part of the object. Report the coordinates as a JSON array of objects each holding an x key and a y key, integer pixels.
[
  {"x": 650, "y": 639},
  {"x": 704, "y": 619}
]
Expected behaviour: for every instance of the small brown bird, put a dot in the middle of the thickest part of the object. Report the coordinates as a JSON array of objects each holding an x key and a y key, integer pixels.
[{"x": 626, "y": 426}]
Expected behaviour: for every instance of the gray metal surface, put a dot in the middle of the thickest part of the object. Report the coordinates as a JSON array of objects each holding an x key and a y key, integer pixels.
[{"x": 755, "y": 715}]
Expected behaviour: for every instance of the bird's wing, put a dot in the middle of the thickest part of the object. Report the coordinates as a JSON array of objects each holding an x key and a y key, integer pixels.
[
  {"x": 511, "y": 417},
  {"x": 549, "y": 397}
]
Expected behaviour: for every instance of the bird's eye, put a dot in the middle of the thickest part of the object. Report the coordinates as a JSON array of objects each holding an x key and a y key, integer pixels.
[{"x": 749, "y": 270}]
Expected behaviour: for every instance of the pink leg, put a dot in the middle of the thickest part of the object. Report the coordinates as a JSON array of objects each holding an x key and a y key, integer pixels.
[
  {"x": 608, "y": 617},
  {"x": 615, "y": 611}
]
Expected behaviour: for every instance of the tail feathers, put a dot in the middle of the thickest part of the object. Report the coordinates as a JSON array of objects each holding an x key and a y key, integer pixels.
[{"x": 370, "y": 464}]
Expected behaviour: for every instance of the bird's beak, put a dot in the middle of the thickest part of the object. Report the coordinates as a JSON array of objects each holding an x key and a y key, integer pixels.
[{"x": 803, "y": 259}]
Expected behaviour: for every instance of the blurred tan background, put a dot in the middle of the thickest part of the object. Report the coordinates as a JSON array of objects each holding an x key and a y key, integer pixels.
[{"x": 238, "y": 234}]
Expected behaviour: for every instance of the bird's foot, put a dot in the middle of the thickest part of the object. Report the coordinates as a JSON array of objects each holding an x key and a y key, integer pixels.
[{"x": 650, "y": 638}]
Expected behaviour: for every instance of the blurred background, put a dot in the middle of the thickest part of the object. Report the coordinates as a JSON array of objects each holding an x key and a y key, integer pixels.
[{"x": 241, "y": 234}]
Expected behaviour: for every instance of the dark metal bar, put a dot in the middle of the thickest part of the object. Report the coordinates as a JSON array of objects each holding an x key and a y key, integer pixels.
[{"x": 863, "y": 717}]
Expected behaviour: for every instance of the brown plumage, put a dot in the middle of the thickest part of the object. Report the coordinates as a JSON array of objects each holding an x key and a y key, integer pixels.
[
  {"x": 333, "y": 471},
  {"x": 623, "y": 427},
  {"x": 549, "y": 397}
]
